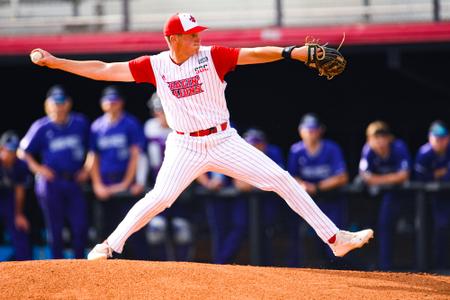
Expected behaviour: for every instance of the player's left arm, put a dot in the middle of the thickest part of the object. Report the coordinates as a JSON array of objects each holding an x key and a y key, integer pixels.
[
  {"x": 20, "y": 220},
  {"x": 333, "y": 182},
  {"x": 130, "y": 174},
  {"x": 259, "y": 55},
  {"x": 387, "y": 179},
  {"x": 339, "y": 176},
  {"x": 402, "y": 172}
]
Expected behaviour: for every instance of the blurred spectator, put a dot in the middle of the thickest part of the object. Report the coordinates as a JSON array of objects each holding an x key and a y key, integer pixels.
[
  {"x": 55, "y": 149},
  {"x": 319, "y": 166},
  {"x": 14, "y": 175},
  {"x": 385, "y": 161},
  {"x": 432, "y": 164},
  {"x": 116, "y": 142},
  {"x": 170, "y": 233},
  {"x": 269, "y": 203},
  {"x": 227, "y": 217}
]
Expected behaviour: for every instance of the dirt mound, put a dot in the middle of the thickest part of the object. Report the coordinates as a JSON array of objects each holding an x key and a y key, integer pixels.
[{"x": 127, "y": 279}]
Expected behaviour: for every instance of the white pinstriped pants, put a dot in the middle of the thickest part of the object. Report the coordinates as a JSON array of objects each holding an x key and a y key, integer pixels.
[{"x": 225, "y": 152}]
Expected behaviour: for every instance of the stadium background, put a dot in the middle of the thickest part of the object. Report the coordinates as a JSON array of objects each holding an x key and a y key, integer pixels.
[{"x": 401, "y": 82}]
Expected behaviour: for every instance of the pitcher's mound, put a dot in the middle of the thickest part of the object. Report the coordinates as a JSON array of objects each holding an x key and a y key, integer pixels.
[{"x": 127, "y": 279}]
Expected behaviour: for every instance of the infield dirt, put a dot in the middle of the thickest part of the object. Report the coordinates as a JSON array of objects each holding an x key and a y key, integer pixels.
[{"x": 128, "y": 279}]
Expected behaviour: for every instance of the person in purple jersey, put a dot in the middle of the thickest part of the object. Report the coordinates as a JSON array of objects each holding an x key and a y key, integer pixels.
[
  {"x": 170, "y": 233},
  {"x": 319, "y": 166},
  {"x": 116, "y": 142},
  {"x": 269, "y": 203},
  {"x": 55, "y": 150},
  {"x": 432, "y": 163},
  {"x": 14, "y": 176},
  {"x": 385, "y": 161}
]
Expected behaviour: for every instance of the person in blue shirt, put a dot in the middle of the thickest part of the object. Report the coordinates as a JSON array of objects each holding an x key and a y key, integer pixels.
[
  {"x": 55, "y": 149},
  {"x": 386, "y": 161},
  {"x": 269, "y": 203},
  {"x": 432, "y": 163},
  {"x": 319, "y": 166},
  {"x": 14, "y": 176},
  {"x": 116, "y": 142}
]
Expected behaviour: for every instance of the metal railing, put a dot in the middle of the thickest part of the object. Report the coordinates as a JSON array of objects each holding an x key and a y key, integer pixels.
[
  {"x": 63, "y": 16},
  {"x": 419, "y": 190}
]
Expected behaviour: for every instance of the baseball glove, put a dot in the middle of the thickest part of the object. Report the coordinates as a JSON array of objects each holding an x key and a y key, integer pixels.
[{"x": 327, "y": 61}]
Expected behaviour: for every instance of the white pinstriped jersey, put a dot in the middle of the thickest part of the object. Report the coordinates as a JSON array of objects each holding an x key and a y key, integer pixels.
[
  {"x": 193, "y": 98},
  {"x": 192, "y": 94}
]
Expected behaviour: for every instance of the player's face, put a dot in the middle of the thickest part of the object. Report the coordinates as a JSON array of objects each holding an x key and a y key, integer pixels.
[
  {"x": 188, "y": 43},
  {"x": 112, "y": 107},
  {"x": 7, "y": 156},
  {"x": 310, "y": 135},
  {"x": 439, "y": 144},
  {"x": 58, "y": 112},
  {"x": 380, "y": 144},
  {"x": 260, "y": 146}
]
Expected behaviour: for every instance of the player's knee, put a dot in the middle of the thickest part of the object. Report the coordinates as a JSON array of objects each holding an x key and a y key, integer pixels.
[
  {"x": 182, "y": 231},
  {"x": 162, "y": 199},
  {"x": 157, "y": 230},
  {"x": 274, "y": 179}
]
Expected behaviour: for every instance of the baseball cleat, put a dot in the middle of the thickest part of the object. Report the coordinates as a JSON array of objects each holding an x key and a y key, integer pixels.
[
  {"x": 347, "y": 241},
  {"x": 100, "y": 251}
]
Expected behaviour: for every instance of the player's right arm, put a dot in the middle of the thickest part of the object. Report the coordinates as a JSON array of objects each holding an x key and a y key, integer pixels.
[
  {"x": 99, "y": 188},
  {"x": 29, "y": 147},
  {"x": 35, "y": 166},
  {"x": 20, "y": 220},
  {"x": 93, "y": 69}
]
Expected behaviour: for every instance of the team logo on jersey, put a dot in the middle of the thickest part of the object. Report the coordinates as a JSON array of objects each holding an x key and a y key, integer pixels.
[
  {"x": 186, "y": 87},
  {"x": 202, "y": 60},
  {"x": 201, "y": 68}
]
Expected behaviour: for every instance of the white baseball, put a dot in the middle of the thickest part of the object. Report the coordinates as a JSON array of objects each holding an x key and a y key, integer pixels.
[{"x": 36, "y": 56}]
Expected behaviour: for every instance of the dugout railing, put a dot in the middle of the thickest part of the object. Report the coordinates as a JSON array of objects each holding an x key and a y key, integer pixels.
[{"x": 418, "y": 191}]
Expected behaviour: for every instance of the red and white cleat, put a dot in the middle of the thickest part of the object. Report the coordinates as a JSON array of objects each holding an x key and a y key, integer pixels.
[{"x": 347, "y": 241}]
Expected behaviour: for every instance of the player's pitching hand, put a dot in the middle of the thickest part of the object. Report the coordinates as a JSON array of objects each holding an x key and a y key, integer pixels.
[{"x": 41, "y": 57}]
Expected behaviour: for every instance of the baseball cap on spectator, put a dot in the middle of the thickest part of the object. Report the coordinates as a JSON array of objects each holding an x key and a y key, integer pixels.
[
  {"x": 112, "y": 94},
  {"x": 182, "y": 23},
  {"x": 378, "y": 128},
  {"x": 438, "y": 129},
  {"x": 255, "y": 136},
  {"x": 57, "y": 94},
  {"x": 154, "y": 103},
  {"x": 310, "y": 121},
  {"x": 9, "y": 140}
]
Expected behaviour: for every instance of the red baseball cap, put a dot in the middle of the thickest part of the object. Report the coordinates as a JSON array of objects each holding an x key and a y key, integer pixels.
[{"x": 182, "y": 23}]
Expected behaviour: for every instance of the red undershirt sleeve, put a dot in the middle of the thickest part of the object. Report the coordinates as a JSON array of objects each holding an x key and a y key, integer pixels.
[
  {"x": 141, "y": 69},
  {"x": 225, "y": 59}
]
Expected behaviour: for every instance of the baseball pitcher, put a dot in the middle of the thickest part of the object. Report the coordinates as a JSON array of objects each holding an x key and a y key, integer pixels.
[{"x": 189, "y": 79}]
